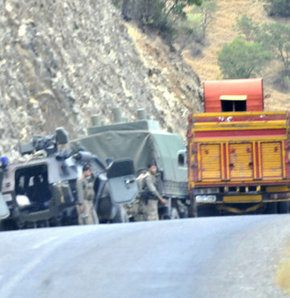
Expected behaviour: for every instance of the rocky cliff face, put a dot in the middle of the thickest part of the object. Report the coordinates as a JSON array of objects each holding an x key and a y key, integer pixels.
[{"x": 62, "y": 61}]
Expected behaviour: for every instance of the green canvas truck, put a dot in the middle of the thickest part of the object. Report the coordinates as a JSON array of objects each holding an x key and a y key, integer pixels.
[{"x": 144, "y": 141}]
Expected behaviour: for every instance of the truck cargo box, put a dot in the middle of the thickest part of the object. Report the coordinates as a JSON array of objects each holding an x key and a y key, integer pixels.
[
  {"x": 239, "y": 157},
  {"x": 237, "y": 148}
]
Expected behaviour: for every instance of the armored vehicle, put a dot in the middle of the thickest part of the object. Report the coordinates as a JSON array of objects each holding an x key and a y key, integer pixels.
[
  {"x": 41, "y": 191},
  {"x": 144, "y": 142}
]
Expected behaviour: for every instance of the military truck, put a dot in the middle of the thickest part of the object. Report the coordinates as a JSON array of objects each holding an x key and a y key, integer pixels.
[
  {"x": 144, "y": 142},
  {"x": 41, "y": 191}
]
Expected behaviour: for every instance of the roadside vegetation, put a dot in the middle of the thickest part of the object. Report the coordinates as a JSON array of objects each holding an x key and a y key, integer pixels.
[
  {"x": 279, "y": 8},
  {"x": 181, "y": 23},
  {"x": 255, "y": 47},
  {"x": 160, "y": 15},
  {"x": 243, "y": 59}
]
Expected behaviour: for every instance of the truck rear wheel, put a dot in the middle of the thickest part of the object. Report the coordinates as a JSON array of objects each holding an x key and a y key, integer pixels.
[
  {"x": 271, "y": 208},
  {"x": 283, "y": 207},
  {"x": 206, "y": 210}
]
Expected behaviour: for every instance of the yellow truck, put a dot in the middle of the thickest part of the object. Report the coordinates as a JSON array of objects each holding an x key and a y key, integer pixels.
[{"x": 238, "y": 154}]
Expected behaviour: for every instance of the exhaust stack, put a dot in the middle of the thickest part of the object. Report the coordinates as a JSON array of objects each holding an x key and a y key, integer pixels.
[
  {"x": 141, "y": 114},
  {"x": 95, "y": 120},
  {"x": 117, "y": 115}
]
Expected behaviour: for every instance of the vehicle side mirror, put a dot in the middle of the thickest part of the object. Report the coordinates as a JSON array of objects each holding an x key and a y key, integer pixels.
[
  {"x": 122, "y": 182},
  {"x": 61, "y": 136},
  {"x": 181, "y": 158}
]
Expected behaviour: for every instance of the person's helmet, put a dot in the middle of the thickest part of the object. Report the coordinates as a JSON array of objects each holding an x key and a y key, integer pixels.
[{"x": 86, "y": 167}]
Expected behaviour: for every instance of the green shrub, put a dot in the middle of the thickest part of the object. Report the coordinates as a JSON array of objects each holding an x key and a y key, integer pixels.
[
  {"x": 160, "y": 15},
  {"x": 248, "y": 29},
  {"x": 204, "y": 14},
  {"x": 242, "y": 59},
  {"x": 276, "y": 37},
  {"x": 278, "y": 8}
]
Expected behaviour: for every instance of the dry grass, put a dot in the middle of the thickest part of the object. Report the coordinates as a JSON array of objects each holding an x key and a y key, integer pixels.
[
  {"x": 221, "y": 31},
  {"x": 148, "y": 48},
  {"x": 278, "y": 101},
  {"x": 137, "y": 37}
]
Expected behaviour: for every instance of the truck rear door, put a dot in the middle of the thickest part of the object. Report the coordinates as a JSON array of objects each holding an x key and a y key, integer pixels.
[
  {"x": 271, "y": 160},
  {"x": 241, "y": 160},
  {"x": 210, "y": 162}
]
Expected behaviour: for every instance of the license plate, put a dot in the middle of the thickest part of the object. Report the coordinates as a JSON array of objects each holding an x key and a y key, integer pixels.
[{"x": 205, "y": 198}]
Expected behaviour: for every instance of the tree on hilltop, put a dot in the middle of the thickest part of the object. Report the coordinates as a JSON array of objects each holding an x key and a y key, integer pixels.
[
  {"x": 277, "y": 37},
  {"x": 242, "y": 59},
  {"x": 247, "y": 28},
  {"x": 205, "y": 12}
]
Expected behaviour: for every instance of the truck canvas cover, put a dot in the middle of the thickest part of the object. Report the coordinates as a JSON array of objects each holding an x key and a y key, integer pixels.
[{"x": 144, "y": 147}]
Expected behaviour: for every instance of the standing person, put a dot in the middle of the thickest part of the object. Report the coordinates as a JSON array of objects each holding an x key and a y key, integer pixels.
[
  {"x": 148, "y": 202},
  {"x": 86, "y": 195}
]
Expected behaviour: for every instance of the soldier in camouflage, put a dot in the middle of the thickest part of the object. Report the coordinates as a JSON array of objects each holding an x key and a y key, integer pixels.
[
  {"x": 85, "y": 188},
  {"x": 147, "y": 203}
]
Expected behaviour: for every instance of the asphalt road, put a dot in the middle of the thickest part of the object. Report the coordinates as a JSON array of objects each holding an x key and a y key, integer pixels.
[{"x": 205, "y": 257}]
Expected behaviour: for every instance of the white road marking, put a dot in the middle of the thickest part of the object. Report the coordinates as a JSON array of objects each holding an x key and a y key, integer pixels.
[{"x": 42, "y": 243}]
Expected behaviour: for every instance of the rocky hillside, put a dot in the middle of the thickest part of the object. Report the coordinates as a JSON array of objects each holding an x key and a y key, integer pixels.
[{"x": 62, "y": 61}]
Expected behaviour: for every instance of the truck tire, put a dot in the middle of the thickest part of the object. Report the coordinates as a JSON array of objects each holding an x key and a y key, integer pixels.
[
  {"x": 206, "y": 210},
  {"x": 8, "y": 225},
  {"x": 271, "y": 208},
  {"x": 283, "y": 207}
]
